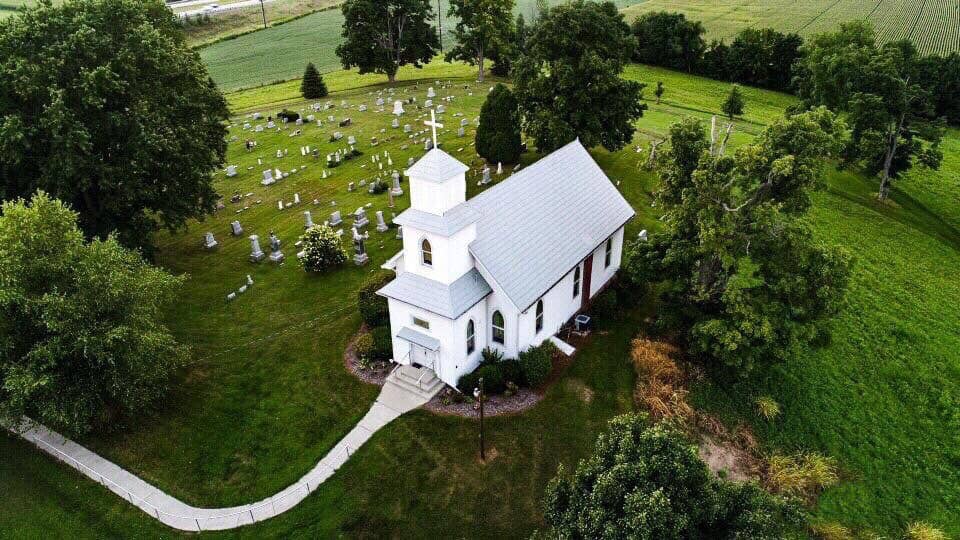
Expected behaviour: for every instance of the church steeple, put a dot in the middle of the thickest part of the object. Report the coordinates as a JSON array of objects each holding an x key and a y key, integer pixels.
[{"x": 437, "y": 182}]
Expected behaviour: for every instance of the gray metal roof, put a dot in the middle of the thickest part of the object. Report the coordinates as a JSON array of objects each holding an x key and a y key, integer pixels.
[
  {"x": 437, "y": 166},
  {"x": 419, "y": 338},
  {"x": 448, "y": 224},
  {"x": 542, "y": 221},
  {"x": 448, "y": 301}
]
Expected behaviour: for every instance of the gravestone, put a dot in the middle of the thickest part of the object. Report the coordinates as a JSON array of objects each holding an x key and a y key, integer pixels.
[
  {"x": 428, "y": 144},
  {"x": 360, "y": 257},
  {"x": 275, "y": 254},
  {"x": 643, "y": 235},
  {"x": 464, "y": 122},
  {"x": 381, "y": 224},
  {"x": 236, "y": 229},
  {"x": 350, "y": 187},
  {"x": 307, "y": 220},
  {"x": 231, "y": 171},
  {"x": 259, "y": 128},
  {"x": 398, "y": 108},
  {"x": 486, "y": 176},
  {"x": 461, "y": 132},
  {"x": 410, "y": 161},
  {"x": 428, "y": 103},
  {"x": 360, "y": 218},
  {"x": 345, "y": 122},
  {"x": 351, "y": 140},
  {"x": 362, "y": 108},
  {"x": 296, "y": 198},
  {"x": 380, "y": 102},
  {"x": 271, "y": 124},
  {"x": 396, "y": 190},
  {"x": 407, "y": 128},
  {"x": 395, "y": 123},
  {"x": 431, "y": 93},
  {"x": 256, "y": 254},
  {"x": 441, "y": 109},
  {"x": 209, "y": 242},
  {"x": 399, "y": 232},
  {"x": 335, "y": 219}
]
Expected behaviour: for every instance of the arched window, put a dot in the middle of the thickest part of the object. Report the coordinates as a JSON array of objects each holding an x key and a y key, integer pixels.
[
  {"x": 576, "y": 281},
  {"x": 498, "y": 333},
  {"x": 471, "y": 340},
  {"x": 426, "y": 253},
  {"x": 539, "y": 316},
  {"x": 608, "y": 255}
]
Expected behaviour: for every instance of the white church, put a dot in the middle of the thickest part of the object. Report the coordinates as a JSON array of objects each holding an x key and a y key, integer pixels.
[{"x": 505, "y": 269}]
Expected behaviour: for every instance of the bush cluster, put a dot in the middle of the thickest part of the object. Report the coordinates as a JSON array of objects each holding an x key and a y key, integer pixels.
[
  {"x": 322, "y": 249},
  {"x": 604, "y": 307},
  {"x": 373, "y": 307},
  {"x": 382, "y": 343},
  {"x": 291, "y": 116},
  {"x": 498, "y": 373}
]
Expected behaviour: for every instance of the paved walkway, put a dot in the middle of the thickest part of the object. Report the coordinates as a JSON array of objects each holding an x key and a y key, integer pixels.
[{"x": 394, "y": 400}]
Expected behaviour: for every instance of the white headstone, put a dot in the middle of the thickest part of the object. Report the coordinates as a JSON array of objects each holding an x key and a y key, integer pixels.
[
  {"x": 231, "y": 171},
  {"x": 398, "y": 108},
  {"x": 256, "y": 254},
  {"x": 307, "y": 220},
  {"x": 267, "y": 178},
  {"x": 209, "y": 241},
  {"x": 236, "y": 229},
  {"x": 381, "y": 224}
]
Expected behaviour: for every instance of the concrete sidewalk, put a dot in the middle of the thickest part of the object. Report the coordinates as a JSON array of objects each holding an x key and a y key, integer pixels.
[{"x": 392, "y": 402}]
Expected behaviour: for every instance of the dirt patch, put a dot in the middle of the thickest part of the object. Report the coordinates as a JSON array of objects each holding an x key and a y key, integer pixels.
[{"x": 727, "y": 460}]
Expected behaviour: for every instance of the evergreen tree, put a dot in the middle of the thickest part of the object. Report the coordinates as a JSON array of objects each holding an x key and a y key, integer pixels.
[
  {"x": 733, "y": 106},
  {"x": 568, "y": 80},
  {"x": 380, "y": 36},
  {"x": 498, "y": 136},
  {"x": 312, "y": 86}
]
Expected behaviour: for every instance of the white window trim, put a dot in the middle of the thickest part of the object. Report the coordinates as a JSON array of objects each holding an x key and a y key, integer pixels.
[
  {"x": 503, "y": 329},
  {"x": 423, "y": 260}
]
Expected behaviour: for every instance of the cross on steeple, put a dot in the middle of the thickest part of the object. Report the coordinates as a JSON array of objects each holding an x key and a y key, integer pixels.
[{"x": 433, "y": 124}]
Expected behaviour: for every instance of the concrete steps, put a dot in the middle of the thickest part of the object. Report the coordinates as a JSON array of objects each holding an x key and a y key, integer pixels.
[{"x": 420, "y": 382}]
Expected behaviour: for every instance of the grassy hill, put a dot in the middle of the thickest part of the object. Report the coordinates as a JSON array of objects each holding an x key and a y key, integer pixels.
[
  {"x": 281, "y": 52},
  {"x": 268, "y": 394}
]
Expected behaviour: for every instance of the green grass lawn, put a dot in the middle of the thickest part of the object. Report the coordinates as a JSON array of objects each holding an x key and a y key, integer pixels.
[
  {"x": 206, "y": 28},
  {"x": 281, "y": 52},
  {"x": 268, "y": 394}
]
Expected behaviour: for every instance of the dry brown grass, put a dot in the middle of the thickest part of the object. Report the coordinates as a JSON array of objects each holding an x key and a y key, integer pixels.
[
  {"x": 925, "y": 531},
  {"x": 831, "y": 531},
  {"x": 802, "y": 475},
  {"x": 660, "y": 386}
]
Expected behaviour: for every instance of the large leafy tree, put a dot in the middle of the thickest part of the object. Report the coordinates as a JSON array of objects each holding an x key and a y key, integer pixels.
[
  {"x": 498, "y": 135},
  {"x": 763, "y": 58},
  {"x": 745, "y": 281},
  {"x": 882, "y": 93},
  {"x": 568, "y": 81},
  {"x": 80, "y": 341},
  {"x": 649, "y": 483},
  {"x": 482, "y": 26},
  {"x": 104, "y": 106},
  {"x": 669, "y": 39},
  {"x": 380, "y": 36}
]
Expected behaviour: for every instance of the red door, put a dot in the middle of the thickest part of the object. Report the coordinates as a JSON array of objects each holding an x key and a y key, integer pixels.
[{"x": 587, "y": 275}]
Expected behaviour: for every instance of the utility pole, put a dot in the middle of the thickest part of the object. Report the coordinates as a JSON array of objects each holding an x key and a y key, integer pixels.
[
  {"x": 263, "y": 12},
  {"x": 439, "y": 25},
  {"x": 478, "y": 393}
]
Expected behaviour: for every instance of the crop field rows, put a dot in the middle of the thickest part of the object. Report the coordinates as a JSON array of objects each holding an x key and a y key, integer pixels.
[{"x": 933, "y": 25}]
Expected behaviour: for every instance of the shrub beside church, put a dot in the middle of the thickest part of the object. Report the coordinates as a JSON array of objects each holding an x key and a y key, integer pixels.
[
  {"x": 498, "y": 136},
  {"x": 322, "y": 249}
]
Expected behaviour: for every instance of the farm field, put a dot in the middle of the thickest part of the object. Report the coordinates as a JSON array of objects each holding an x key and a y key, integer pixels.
[
  {"x": 267, "y": 393},
  {"x": 281, "y": 52},
  {"x": 204, "y": 29},
  {"x": 934, "y": 25}
]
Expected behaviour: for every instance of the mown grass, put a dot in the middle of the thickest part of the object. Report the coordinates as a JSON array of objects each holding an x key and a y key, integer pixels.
[
  {"x": 268, "y": 394},
  {"x": 280, "y": 53}
]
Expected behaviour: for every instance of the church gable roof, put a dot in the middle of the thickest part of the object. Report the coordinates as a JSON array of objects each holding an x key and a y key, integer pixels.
[
  {"x": 437, "y": 166},
  {"x": 448, "y": 301},
  {"x": 542, "y": 221}
]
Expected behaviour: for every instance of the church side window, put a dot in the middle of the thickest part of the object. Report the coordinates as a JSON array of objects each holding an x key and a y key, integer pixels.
[
  {"x": 576, "y": 282},
  {"x": 471, "y": 338},
  {"x": 608, "y": 254},
  {"x": 498, "y": 333},
  {"x": 426, "y": 253},
  {"x": 539, "y": 316}
]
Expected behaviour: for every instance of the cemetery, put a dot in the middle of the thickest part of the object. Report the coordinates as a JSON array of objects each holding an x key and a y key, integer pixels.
[{"x": 325, "y": 210}]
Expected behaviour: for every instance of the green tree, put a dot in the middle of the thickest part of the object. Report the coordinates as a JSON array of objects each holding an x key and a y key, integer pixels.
[
  {"x": 733, "y": 105},
  {"x": 881, "y": 91},
  {"x": 112, "y": 113},
  {"x": 322, "y": 249},
  {"x": 380, "y": 36},
  {"x": 649, "y": 483},
  {"x": 568, "y": 81},
  {"x": 745, "y": 282},
  {"x": 668, "y": 39},
  {"x": 482, "y": 26},
  {"x": 312, "y": 86},
  {"x": 498, "y": 135},
  {"x": 81, "y": 341},
  {"x": 659, "y": 91}
]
